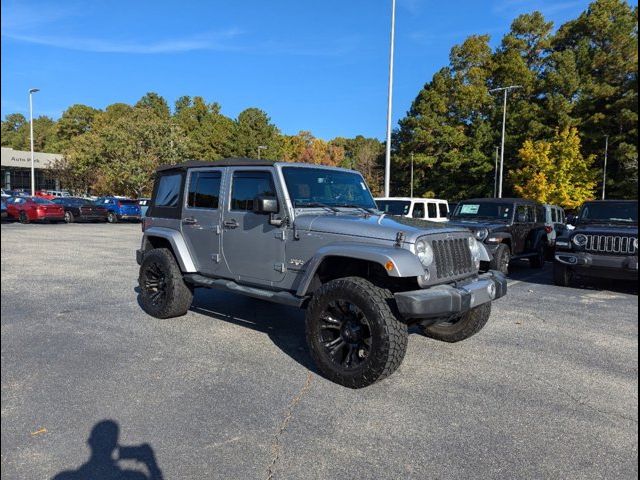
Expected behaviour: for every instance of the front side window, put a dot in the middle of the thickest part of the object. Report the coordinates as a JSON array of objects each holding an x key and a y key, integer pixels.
[
  {"x": 168, "y": 191},
  {"x": 418, "y": 210},
  {"x": 524, "y": 214},
  {"x": 204, "y": 190},
  {"x": 431, "y": 210},
  {"x": 249, "y": 185}
]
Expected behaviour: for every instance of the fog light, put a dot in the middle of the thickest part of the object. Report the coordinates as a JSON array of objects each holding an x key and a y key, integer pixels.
[{"x": 491, "y": 290}]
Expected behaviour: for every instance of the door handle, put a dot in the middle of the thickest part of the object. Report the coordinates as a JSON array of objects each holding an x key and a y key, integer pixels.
[
  {"x": 189, "y": 221},
  {"x": 233, "y": 223}
]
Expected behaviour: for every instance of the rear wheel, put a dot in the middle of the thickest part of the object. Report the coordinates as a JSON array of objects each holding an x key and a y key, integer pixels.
[
  {"x": 68, "y": 217},
  {"x": 462, "y": 327},
  {"x": 501, "y": 259},
  {"x": 163, "y": 292},
  {"x": 561, "y": 275},
  {"x": 540, "y": 257},
  {"x": 353, "y": 334},
  {"x": 23, "y": 217},
  {"x": 112, "y": 218}
]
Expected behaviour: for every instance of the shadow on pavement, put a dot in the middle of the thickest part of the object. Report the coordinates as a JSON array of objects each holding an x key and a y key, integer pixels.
[
  {"x": 284, "y": 325},
  {"x": 521, "y": 271},
  {"x": 107, "y": 457}
]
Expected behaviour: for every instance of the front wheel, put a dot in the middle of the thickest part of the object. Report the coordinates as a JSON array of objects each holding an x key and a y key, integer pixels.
[
  {"x": 163, "y": 292},
  {"x": 353, "y": 334},
  {"x": 23, "y": 217},
  {"x": 112, "y": 218},
  {"x": 68, "y": 217},
  {"x": 501, "y": 259},
  {"x": 561, "y": 275},
  {"x": 462, "y": 327}
]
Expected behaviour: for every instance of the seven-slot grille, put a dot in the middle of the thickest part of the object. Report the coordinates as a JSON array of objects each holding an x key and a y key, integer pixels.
[
  {"x": 452, "y": 257},
  {"x": 611, "y": 244}
]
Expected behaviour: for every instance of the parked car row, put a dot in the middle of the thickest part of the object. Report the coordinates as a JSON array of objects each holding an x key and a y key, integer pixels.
[
  {"x": 64, "y": 208},
  {"x": 600, "y": 241}
]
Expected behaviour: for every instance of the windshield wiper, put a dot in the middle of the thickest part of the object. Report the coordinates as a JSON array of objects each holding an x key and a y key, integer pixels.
[
  {"x": 353, "y": 205},
  {"x": 315, "y": 204}
]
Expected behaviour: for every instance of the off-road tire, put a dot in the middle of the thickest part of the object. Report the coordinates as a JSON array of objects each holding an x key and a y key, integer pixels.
[
  {"x": 501, "y": 259},
  {"x": 540, "y": 258},
  {"x": 176, "y": 297},
  {"x": 466, "y": 326},
  {"x": 388, "y": 334},
  {"x": 561, "y": 275},
  {"x": 23, "y": 218},
  {"x": 68, "y": 217},
  {"x": 112, "y": 217}
]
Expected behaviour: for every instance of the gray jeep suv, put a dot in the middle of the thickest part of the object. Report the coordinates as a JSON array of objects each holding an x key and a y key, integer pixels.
[{"x": 311, "y": 237}]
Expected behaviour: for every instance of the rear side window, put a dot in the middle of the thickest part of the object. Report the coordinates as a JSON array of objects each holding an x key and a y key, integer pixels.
[
  {"x": 204, "y": 190},
  {"x": 554, "y": 215},
  {"x": 431, "y": 210},
  {"x": 418, "y": 210},
  {"x": 249, "y": 185},
  {"x": 168, "y": 191},
  {"x": 443, "y": 210}
]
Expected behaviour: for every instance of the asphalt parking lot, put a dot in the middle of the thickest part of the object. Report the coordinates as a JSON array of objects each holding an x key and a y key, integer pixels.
[{"x": 549, "y": 389}]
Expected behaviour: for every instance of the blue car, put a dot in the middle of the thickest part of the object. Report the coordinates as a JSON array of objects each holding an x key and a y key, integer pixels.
[
  {"x": 120, "y": 208},
  {"x": 144, "y": 205}
]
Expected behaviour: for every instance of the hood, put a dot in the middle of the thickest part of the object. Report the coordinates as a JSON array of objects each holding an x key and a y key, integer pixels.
[
  {"x": 475, "y": 225},
  {"x": 372, "y": 226},
  {"x": 606, "y": 229}
]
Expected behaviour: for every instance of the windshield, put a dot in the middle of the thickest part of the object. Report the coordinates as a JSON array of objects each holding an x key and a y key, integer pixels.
[
  {"x": 487, "y": 210},
  {"x": 394, "y": 207},
  {"x": 316, "y": 187},
  {"x": 623, "y": 212}
]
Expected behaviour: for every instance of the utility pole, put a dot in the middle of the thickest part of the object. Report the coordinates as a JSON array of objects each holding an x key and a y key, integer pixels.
[
  {"x": 387, "y": 156},
  {"x": 261, "y": 147},
  {"x": 495, "y": 176},
  {"x": 504, "y": 122},
  {"x": 604, "y": 170},
  {"x": 33, "y": 169},
  {"x": 411, "y": 194}
]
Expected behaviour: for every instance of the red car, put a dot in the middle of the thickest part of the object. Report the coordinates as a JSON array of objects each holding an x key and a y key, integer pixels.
[
  {"x": 44, "y": 194},
  {"x": 31, "y": 209}
]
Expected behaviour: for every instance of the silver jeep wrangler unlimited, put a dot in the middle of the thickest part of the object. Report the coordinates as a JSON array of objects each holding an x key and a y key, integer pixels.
[{"x": 311, "y": 237}]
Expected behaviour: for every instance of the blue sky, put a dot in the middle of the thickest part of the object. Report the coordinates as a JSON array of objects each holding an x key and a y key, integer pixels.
[{"x": 319, "y": 66}]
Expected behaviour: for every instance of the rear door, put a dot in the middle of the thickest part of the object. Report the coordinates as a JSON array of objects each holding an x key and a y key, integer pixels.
[
  {"x": 201, "y": 218},
  {"x": 253, "y": 249}
]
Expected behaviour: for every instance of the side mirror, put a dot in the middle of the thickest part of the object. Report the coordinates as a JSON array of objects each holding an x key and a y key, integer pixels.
[
  {"x": 265, "y": 205},
  {"x": 521, "y": 218}
]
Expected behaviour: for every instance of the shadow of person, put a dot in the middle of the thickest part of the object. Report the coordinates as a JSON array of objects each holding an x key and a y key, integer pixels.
[{"x": 106, "y": 454}]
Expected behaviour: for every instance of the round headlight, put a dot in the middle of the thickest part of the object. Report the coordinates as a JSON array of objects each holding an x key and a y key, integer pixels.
[
  {"x": 424, "y": 252},
  {"x": 481, "y": 234},
  {"x": 474, "y": 247},
  {"x": 580, "y": 240}
]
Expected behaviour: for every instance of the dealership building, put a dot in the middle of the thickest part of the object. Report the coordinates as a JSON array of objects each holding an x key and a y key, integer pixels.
[{"x": 16, "y": 169}]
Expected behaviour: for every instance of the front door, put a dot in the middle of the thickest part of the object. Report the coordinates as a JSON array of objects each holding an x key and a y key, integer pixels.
[
  {"x": 253, "y": 249},
  {"x": 201, "y": 219},
  {"x": 524, "y": 218}
]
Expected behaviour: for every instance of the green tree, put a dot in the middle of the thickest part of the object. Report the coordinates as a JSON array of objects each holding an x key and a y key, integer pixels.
[
  {"x": 253, "y": 129},
  {"x": 75, "y": 120}
]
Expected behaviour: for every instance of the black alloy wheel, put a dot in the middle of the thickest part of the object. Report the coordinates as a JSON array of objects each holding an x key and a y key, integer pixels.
[
  {"x": 154, "y": 284},
  {"x": 23, "y": 217},
  {"x": 345, "y": 334}
]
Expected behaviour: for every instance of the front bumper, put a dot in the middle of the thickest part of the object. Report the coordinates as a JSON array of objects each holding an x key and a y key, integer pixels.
[
  {"x": 610, "y": 266},
  {"x": 448, "y": 300}
]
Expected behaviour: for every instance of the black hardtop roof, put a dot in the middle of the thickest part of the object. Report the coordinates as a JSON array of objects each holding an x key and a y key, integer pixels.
[
  {"x": 225, "y": 162},
  {"x": 503, "y": 200}
]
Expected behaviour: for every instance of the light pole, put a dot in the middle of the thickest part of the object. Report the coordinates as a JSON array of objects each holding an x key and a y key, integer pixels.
[
  {"x": 495, "y": 176},
  {"x": 387, "y": 156},
  {"x": 411, "y": 189},
  {"x": 33, "y": 171},
  {"x": 604, "y": 170},
  {"x": 261, "y": 147},
  {"x": 504, "y": 121}
]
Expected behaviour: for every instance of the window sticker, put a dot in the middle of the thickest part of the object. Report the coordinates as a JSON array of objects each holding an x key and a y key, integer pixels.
[{"x": 470, "y": 209}]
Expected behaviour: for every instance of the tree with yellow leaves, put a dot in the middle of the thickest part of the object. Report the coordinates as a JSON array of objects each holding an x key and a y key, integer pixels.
[{"x": 556, "y": 171}]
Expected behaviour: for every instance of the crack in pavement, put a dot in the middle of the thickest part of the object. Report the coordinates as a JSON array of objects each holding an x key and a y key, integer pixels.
[{"x": 276, "y": 446}]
